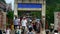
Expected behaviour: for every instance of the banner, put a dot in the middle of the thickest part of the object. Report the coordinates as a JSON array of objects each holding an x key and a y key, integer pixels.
[{"x": 29, "y": 5}]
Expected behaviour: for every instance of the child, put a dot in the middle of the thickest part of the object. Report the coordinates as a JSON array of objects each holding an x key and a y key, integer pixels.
[
  {"x": 30, "y": 30},
  {"x": 34, "y": 31},
  {"x": 18, "y": 30},
  {"x": 8, "y": 31}
]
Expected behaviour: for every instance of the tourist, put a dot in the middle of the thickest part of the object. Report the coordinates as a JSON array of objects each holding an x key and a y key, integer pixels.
[
  {"x": 16, "y": 22},
  {"x": 8, "y": 30},
  {"x": 18, "y": 30},
  {"x": 24, "y": 24},
  {"x": 34, "y": 24},
  {"x": 38, "y": 25},
  {"x": 31, "y": 31}
]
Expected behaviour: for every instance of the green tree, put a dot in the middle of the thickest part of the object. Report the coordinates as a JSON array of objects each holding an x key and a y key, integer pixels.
[
  {"x": 10, "y": 15},
  {"x": 2, "y": 1},
  {"x": 51, "y": 7},
  {"x": 36, "y": 13}
]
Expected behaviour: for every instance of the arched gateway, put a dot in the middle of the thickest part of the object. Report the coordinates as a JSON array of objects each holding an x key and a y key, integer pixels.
[{"x": 30, "y": 5}]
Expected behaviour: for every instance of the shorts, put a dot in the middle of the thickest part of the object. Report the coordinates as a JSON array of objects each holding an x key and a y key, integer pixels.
[{"x": 24, "y": 29}]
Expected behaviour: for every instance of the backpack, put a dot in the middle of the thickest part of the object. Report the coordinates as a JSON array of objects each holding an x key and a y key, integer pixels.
[{"x": 16, "y": 32}]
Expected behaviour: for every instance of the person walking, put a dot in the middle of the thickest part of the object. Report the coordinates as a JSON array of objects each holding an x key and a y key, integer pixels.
[
  {"x": 34, "y": 24},
  {"x": 31, "y": 31},
  {"x": 8, "y": 30},
  {"x": 24, "y": 24},
  {"x": 16, "y": 22},
  {"x": 18, "y": 30}
]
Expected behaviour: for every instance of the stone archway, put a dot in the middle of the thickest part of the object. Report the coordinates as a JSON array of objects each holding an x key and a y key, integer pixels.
[{"x": 43, "y": 9}]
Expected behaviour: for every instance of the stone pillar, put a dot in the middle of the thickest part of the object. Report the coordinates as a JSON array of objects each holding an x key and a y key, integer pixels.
[
  {"x": 15, "y": 8},
  {"x": 2, "y": 19},
  {"x": 43, "y": 13}
]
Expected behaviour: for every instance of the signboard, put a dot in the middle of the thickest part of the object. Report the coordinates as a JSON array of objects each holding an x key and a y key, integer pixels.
[
  {"x": 29, "y": 5},
  {"x": 57, "y": 20}
]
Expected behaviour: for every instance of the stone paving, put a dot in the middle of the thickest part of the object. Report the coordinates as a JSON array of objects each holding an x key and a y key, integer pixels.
[
  {"x": 13, "y": 32},
  {"x": 42, "y": 32}
]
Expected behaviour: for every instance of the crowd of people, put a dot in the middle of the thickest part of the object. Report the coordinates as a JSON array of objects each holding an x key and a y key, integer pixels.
[{"x": 25, "y": 25}]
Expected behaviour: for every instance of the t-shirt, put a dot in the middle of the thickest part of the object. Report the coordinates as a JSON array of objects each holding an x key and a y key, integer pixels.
[
  {"x": 24, "y": 21},
  {"x": 16, "y": 21},
  {"x": 30, "y": 26},
  {"x": 8, "y": 31},
  {"x": 18, "y": 31}
]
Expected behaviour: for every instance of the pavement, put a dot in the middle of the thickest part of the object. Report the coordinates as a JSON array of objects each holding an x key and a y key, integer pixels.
[
  {"x": 13, "y": 32},
  {"x": 3, "y": 33},
  {"x": 42, "y": 32}
]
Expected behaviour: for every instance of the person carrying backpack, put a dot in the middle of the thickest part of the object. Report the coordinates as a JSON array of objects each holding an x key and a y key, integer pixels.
[
  {"x": 18, "y": 30},
  {"x": 30, "y": 30}
]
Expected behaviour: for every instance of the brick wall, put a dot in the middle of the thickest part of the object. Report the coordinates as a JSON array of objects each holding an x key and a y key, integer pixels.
[{"x": 1, "y": 19}]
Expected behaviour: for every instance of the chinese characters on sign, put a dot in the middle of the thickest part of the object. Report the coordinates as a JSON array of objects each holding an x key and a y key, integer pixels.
[{"x": 29, "y": 5}]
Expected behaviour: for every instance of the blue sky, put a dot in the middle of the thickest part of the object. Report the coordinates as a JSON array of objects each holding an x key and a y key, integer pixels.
[{"x": 12, "y": 2}]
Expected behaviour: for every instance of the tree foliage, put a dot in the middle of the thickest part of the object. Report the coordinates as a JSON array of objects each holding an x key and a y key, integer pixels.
[
  {"x": 31, "y": 13},
  {"x": 51, "y": 7},
  {"x": 36, "y": 13},
  {"x": 10, "y": 14},
  {"x": 2, "y": 1}
]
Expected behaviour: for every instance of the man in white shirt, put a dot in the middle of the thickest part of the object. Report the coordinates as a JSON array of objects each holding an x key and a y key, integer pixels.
[{"x": 24, "y": 23}]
